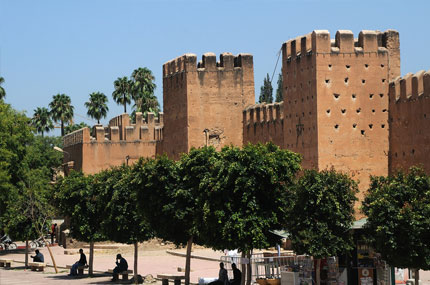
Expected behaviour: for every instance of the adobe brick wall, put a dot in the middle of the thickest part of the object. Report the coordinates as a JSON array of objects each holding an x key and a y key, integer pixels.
[
  {"x": 336, "y": 100},
  {"x": 208, "y": 95},
  {"x": 115, "y": 144},
  {"x": 264, "y": 123},
  {"x": 410, "y": 122}
]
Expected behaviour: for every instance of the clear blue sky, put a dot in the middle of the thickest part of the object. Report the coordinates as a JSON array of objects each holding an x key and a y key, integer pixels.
[{"x": 78, "y": 47}]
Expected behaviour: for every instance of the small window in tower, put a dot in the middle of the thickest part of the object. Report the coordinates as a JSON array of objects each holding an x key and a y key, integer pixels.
[
  {"x": 381, "y": 95},
  {"x": 371, "y": 96},
  {"x": 327, "y": 81},
  {"x": 336, "y": 126},
  {"x": 328, "y": 111},
  {"x": 371, "y": 126},
  {"x": 354, "y": 125},
  {"x": 346, "y": 80},
  {"x": 384, "y": 110},
  {"x": 383, "y": 126},
  {"x": 354, "y": 96},
  {"x": 329, "y": 66},
  {"x": 373, "y": 110},
  {"x": 366, "y": 65},
  {"x": 363, "y": 81},
  {"x": 348, "y": 66},
  {"x": 382, "y": 66},
  {"x": 336, "y": 96},
  {"x": 363, "y": 132},
  {"x": 383, "y": 80},
  {"x": 343, "y": 111},
  {"x": 358, "y": 110}
]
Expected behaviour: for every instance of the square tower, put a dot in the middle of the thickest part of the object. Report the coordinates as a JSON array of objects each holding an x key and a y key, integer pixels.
[
  {"x": 336, "y": 100},
  {"x": 203, "y": 101}
]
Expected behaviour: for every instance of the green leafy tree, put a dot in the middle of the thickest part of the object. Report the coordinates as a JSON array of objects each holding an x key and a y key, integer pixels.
[
  {"x": 248, "y": 197},
  {"x": 61, "y": 110},
  {"x": 122, "y": 92},
  {"x": 41, "y": 120},
  {"x": 2, "y": 91},
  {"x": 83, "y": 198},
  {"x": 29, "y": 215},
  {"x": 74, "y": 127},
  {"x": 123, "y": 223},
  {"x": 279, "y": 95},
  {"x": 97, "y": 106},
  {"x": 142, "y": 91},
  {"x": 398, "y": 223},
  {"x": 168, "y": 195},
  {"x": 15, "y": 136},
  {"x": 266, "y": 91},
  {"x": 322, "y": 215}
]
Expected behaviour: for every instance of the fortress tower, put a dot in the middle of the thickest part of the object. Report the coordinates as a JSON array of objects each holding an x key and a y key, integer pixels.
[
  {"x": 336, "y": 100},
  {"x": 410, "y": 121},
  {"x": 203, "y": 102}
]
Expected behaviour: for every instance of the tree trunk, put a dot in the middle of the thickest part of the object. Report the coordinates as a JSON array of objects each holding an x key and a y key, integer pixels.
[
  {"x": 26, "y": 253},
  {"x": 417, "y": 277},
  {"x": 188, "y": 261},
  {"x": 317, "y": 272},
  {"x": 62, "y": 128},
  {"x": 50, "y": 253},
  {"x": 248, "y": 268},
  {"x": 90, "y": 269},
  {"x": 125, "y": 105},
  {"x": 242, "y": 282},
  {"x": 136, "y": 247}
]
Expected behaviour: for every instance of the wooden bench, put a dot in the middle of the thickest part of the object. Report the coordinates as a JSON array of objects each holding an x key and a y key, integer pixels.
[
  {"x": 81, "y": 268},
  {"x": 166, "y": 277},
  {"x": 37, "y": 266},
  {"x": 5, "y": 263},
  {"x": 123, "y": 273}
]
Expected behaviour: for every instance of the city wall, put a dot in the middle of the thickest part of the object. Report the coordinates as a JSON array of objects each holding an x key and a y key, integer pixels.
[
  {"x": 120, "y": 142},
  {"x": 410, "y": 122},
  {"x": 264, "y": 123},
  {"x": 203, "y": 101}
]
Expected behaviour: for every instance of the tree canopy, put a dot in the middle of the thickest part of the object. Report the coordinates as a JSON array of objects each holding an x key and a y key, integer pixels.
[
  {"x": 398, "y": 223},
  {"x": 322, "y": 213},
  {"x": 61, "y": 110},
  {"x": 279, "y": 94},
  {"x": 266, "y": 91},
  {"x": 2, "y": 91},
  {"x": 142, "y": 91},
  {"x": 123, "y": 90},
  {"x": 97, "y": 106},
  {"x": 41, "y": 120},
  {"x": 74, "y": 127}
]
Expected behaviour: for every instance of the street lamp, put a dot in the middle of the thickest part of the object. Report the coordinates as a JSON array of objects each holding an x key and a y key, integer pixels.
[
  {"x": 61, "y": 150},
  {"x": 206, "y": 131}
]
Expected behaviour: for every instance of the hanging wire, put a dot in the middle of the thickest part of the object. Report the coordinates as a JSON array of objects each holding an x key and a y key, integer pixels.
[{"x": 273, "y": 74}]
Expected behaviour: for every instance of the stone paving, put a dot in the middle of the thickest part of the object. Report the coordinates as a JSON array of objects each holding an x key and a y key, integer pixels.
[{"x": 149, "y": 262}]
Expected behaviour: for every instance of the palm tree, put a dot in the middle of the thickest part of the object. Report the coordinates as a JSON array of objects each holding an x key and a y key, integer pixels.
[
  {"x": 61, "y": 110},
  {"x": 97, "y": 107},
  {"x": 143, "y": 91},
  {"x": 42, "y": 120},
  {"x": 2, "y": 91},
  {"x": 122, "y": 93}
]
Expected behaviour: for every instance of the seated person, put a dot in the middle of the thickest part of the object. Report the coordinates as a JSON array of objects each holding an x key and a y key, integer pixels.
[
  {"x": 237, "y": 275},
  {"x": 121, "y": 266},
  {"x": 38, "y": 257},
  {"x": 81, "y": 262},
  {"x": 222, "y": 276}
]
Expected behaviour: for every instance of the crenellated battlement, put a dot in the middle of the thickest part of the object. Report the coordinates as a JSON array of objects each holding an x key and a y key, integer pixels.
[
  {"x": 148, "y": 128},
  {"x": 319, "y": 41},
  {"x": 188, "y": 63},
  {"x": 263, "y": 113},
  {"x": 410, "y": 87}
]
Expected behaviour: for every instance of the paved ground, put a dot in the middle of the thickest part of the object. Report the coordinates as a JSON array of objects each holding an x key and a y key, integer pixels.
[{"x": 149, "y": 262}]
